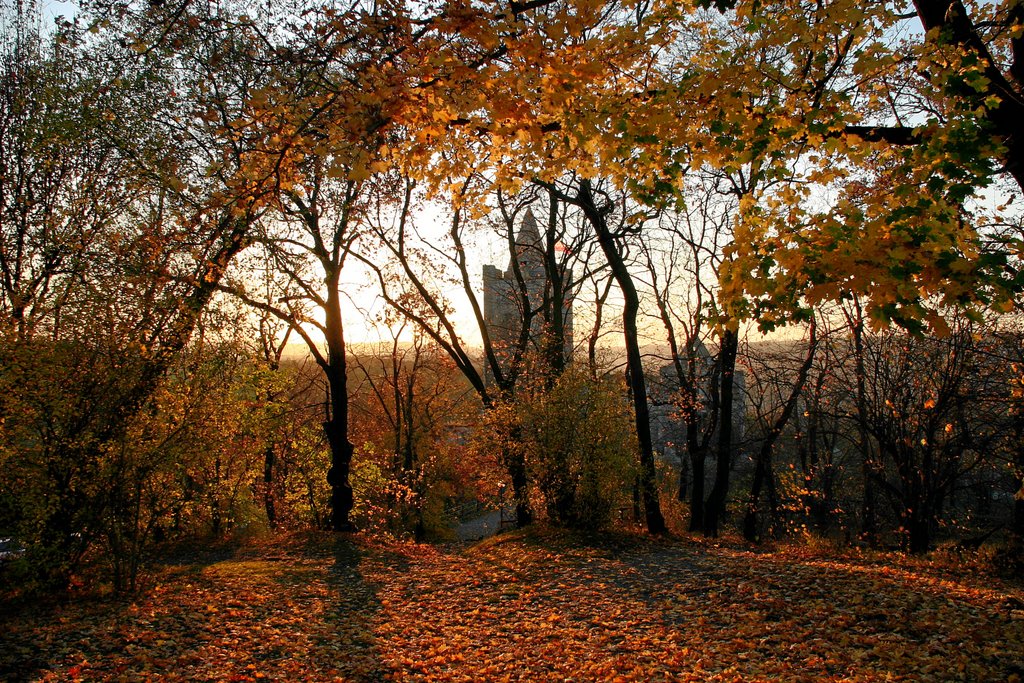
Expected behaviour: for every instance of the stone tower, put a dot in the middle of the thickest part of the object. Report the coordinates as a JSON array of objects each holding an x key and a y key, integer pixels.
[{"x": 503, "y": 304}]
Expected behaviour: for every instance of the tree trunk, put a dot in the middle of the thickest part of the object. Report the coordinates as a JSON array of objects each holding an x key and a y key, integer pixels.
[
  {"x": 869, "y": 522},
  {"x": 684, "y": 479},
  {"x": 1017, "y": 525},
  {"x": 715, "y": 507},
  {"x": 917, "y": 513},
  {"x": 917, "y": 526},
  {"x": 634, "y": 362},
  {"x": 595, "y": 331},
  {"x": 336, "y": 425},
  {"x": 869, "y": 526},
  {"x": 696, "y": 446},
  {"x": 342, "y": 499},
  {"x": 554, "y": 337},
  {"x": 698, "y": 459},
  {"x": 763, "y": 469},
  {"x": 750, "y": 530},
  {"x": 268, "y": 486},
  {"x": 215, "y": 513},
  {"x": 516, "y": 464}
]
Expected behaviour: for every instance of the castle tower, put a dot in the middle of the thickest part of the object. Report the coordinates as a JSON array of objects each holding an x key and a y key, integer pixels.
[{"x": 504, "y": 310}]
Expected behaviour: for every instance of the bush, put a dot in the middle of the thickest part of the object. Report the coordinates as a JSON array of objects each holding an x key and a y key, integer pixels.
[{"x": 578, "y": 441}]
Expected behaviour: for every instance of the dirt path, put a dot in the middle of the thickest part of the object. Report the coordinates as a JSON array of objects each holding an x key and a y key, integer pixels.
[{"x": 482, "y": 527}]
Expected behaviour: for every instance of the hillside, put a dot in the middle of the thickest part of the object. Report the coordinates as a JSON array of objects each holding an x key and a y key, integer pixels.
[{"x": 537, "y": 607}]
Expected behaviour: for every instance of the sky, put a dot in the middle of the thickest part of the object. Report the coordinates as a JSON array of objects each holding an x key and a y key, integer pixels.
[
  {"x": 49, "y": 10},
  {"x": 54, "y": 8}
]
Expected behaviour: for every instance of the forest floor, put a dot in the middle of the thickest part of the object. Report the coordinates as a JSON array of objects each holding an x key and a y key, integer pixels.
[{"x": 536, "y": 606}]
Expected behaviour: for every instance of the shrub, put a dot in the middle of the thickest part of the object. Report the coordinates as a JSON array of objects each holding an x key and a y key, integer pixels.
[{"x": 579, "y": 445}]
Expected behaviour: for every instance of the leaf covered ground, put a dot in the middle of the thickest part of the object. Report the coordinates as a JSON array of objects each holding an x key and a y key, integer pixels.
[{"x": 542, "y": 607}]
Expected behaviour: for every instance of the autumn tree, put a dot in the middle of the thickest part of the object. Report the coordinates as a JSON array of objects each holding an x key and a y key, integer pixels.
[
  {"x": 409, "y": 406},
  {"x": 780, "y": 390},
  {"x": 820, "y": 426},
  {"x": 446, "y": 86},
  {"x": 64, "y": 182},
  {"x": 598, "y": 210},
  {"x": 855, "y": 319},
  {"x": 903, "y": 229},
  {"x": 925, "y": 402},
  {"x": 1009, "y": 350},
  {"x": 138, "y": 223},
  {"x": 274, "y": 335},
  {"x": 538, "y": 286},
  {"x": 213, "y": 116},
  {"x": 973, "y": 57},
  {"x": 682, "y": 251}
]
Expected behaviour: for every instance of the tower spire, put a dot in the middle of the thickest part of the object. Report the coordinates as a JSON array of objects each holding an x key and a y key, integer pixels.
[{"x": 529, "y": 233}]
